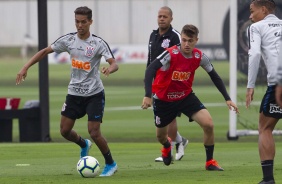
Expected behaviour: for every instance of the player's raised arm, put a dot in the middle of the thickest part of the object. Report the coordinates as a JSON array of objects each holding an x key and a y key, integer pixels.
[{"x": 36, "y": 58}]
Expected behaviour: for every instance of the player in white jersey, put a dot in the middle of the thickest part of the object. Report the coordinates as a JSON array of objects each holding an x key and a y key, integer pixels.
[
  {"x": 264, "y": 39},
  {"x": 85, "y": 90}
]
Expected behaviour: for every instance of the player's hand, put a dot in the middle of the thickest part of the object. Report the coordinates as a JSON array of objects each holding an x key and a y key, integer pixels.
[
  {"x": 147, "y": 102},
  {"x": 105, "y": 71},
  {"x": 232, "y": 106},
  {"x": 249, "y": 96},
  {"x": 21, "y": 76}
]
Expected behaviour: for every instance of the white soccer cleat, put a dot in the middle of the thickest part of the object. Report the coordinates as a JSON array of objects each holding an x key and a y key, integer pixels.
[
  {"x": 180, "y": 149},
  {"x": 159, "y": 159}
]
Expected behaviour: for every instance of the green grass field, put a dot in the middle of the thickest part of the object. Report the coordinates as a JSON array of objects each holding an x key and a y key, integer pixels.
[
  {"x": 56, "y": 163},
  {"x": 130, "y": 132}
]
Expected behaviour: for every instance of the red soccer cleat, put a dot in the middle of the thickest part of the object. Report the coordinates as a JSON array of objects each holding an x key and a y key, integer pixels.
[
  {"x": 212, "y": 165},
  {"x": 166, "y": 154}
]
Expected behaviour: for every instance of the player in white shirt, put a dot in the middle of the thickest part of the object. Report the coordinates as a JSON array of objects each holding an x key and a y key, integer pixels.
[
  {"x": 264, "y": 39},
  {"x": 85, "y": 90}
]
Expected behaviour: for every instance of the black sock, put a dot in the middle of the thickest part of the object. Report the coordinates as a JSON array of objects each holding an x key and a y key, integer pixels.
[
  {"x": 108, "y": 157},
  {"x": 209, "y": 152},
  {"x": 267, "y": 170},
  {"x": 167, "y": 144},
  {"x": 81, "y": 142}
]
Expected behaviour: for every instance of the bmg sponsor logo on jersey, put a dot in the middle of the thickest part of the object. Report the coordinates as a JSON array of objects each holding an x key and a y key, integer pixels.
[
  {"x": 180, "y": 76},
  {"x": 274, "y": 108},
  {"x": 80, "y": 64}
]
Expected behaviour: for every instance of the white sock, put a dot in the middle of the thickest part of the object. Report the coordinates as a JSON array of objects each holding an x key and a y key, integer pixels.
[
  {"x": 172, "y": 146},
  {"x": 178, "y": 138}
]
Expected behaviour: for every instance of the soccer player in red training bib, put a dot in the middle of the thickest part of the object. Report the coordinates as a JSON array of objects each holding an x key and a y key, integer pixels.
[{"x": 174, "y": 72}]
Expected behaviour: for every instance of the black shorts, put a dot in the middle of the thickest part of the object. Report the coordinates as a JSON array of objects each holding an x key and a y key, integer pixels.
[
  {"x": 268, "y": 104},
  {"x": 76, "y": 107},
  {"x": 165, "y": 112},
  {"x": 178, "y": 114}
]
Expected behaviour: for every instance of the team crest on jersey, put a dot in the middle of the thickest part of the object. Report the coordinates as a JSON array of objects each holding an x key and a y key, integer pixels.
[
  {"x": 175, "y": 51},
  {"x": 165, "y": 43},
  {"x": 197, "y": 55},
  {"x": 89, "y": 51}
]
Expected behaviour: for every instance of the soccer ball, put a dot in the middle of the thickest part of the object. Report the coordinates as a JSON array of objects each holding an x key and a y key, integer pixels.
[{"x": 88, "y": 167}]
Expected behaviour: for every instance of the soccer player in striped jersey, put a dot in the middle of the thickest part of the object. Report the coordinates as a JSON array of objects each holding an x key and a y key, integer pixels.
[
  {"x": 85, "y": 90},
  {"x": 173, "y": 73}
]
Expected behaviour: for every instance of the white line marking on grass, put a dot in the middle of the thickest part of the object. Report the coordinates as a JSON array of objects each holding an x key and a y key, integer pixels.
[
  {"x": 22, "y": 165},
  {"x": 130, "y": 108}
]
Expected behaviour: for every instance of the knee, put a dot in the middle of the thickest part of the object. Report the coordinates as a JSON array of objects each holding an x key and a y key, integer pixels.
[
  {"x": 64, "y": 132},
  {"x": 95, "y": 134},
  {"x": 208, "y": 127},
  {"x": 265, "y": 129}
]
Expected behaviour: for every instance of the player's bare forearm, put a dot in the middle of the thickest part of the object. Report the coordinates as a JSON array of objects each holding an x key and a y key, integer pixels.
[
  {"x": 249, "y": 96},
  {"x": 36, "y": 58},
  {"x": 113, "y": 68}
]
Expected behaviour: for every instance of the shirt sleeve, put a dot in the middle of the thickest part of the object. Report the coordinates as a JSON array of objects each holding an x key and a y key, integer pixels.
[
  {"x": 279, "y": 70},
  {"x": 60, "y": 45},
  {"x": 149, "y": 51},
  {"x": 105, "y": 50},
  {"x": 254, "y": 55},
  {"x": 216, "y": 79},
  {"x": 206, "y": 63},
  {"x": 149, "y": 76},
  {"x": 219, "y": 84}
]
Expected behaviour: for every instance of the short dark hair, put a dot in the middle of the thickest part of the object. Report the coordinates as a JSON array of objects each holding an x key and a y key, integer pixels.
[
  {"x": 167, "y": 8},
  {"x": 269, "y": 4},
  {"x": 190, "y": 30},
  {"x": 84, "y": 10}
]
